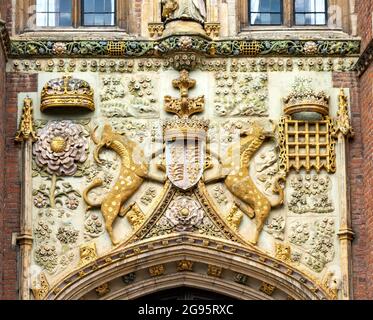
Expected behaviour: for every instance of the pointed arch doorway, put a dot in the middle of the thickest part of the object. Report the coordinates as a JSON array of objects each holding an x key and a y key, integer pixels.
[{"x": 164, "y": 265}]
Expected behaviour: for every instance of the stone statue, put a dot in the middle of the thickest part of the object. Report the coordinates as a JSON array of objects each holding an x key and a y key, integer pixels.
[{"x": 194, "y": 10}]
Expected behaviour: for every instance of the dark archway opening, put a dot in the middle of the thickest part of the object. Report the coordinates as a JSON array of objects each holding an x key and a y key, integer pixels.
[{"x": 185, "y": 293}]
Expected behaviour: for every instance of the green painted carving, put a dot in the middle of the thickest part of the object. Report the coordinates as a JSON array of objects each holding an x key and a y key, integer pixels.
[{"x": 139, "y": 48}]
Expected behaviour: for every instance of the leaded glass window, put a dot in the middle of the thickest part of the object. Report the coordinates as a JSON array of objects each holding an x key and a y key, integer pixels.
[
  {"x": 54, "y": 13},
  {"x": 310, "y": 12},
  {"x": 265, "y": 12},
  {"x": 98, "y": 12}
]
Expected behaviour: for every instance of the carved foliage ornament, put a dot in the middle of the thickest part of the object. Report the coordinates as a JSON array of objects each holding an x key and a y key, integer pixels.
[
  {"x": 88, "y": 254},
  {"x": 103, "y": 289},
  {"x": 158, "y": 270},
  {"x": 267, "y": 288},
  {"x": 155, "y": 29},
  {"x": 41, "y": 292},
  {"x": 283, "y": 252},
  {"x": 343, "y": 118},
  {"x": 135, "y": 216},
  {"x": 214, "y": 271},
  {"x": 311, "y": 194},
  {"x": 26, "y": 126},
  {"x": 140, "y": 48},
  {"x": 212, "y": 29},
  {"x": 185, "y": 265}
]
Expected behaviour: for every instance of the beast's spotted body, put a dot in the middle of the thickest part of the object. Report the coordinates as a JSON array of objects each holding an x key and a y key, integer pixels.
[
  {"x": 251, "y": 200},
  {"x": 130, "y": 178}
]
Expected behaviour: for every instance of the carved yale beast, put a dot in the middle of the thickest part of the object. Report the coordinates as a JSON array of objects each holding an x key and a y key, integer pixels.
[
  {"x": 131, "y": 177},
  {"x": 249, "y": 199}
]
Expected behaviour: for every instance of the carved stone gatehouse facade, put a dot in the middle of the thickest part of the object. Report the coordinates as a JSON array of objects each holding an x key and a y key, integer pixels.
[{"x": 148, "y": 145}]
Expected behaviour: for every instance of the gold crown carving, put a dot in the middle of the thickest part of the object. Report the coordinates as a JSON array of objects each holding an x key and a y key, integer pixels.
[
  {"x": 184, "y": 128},
  {"x": 303, "y": 98},
  {"x": 67, "y": 92}
]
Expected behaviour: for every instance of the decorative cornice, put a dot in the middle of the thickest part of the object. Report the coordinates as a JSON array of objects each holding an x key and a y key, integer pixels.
[
  {"x": 118, "y": 257},
  {"x": 365, "y": 60},
  {"x": 4, "y": 39},
  {"x": 172, "y": 44}
]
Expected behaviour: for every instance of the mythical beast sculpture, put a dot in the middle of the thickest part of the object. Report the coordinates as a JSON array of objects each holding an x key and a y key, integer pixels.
[
  {"x": 250, "y": 200},
  {"x": 132, "y": 175}
]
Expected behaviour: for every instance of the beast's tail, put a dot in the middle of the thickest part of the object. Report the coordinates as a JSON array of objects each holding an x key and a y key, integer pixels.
[{"x": 95, "y": 183}]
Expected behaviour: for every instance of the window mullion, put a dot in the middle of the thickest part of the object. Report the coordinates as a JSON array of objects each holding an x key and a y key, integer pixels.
[{"x": 288, "y": 13}]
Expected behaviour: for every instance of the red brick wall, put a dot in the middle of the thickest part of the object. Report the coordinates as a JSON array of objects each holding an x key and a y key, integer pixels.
[
  {"x": 366, "y": 102},
  {"x": 6, "y": 12},
  {"x": 2, "y": 153},
  {"x": 356, "y": 178},
  {"x": 365, "y": 21},
  {"x": 10, "y": 218}
]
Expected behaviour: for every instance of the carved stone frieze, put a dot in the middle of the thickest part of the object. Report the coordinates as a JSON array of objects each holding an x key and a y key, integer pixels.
[
  {"x": 149, "y": 196},
  {"x": 41, "y": 292},
  {"x": 134, "y": 98},
  {"x": 138, "y": 48},
  {"x": 189, "y": 61},
  {"x": 315, "y": 241},
  {"x": 158, "y": 270},
  {"x": 214, "y": 271},
  {"x": 276, "y": 227},
  {"x": 212, "y": 29},
  {"x": 155, "y": 29},
  {"x": 135, "y": 216},
  {"x": 241, "y": 95},
  {"x": 283, "y": 252},
  {"x": 137, "y": 180},
  {"x": 311, "y": 194},
  {"x": 241, "y": 278},
  {"x": 184, "y": 265},
  {"x": 103, "y": 290},
  {"x": 46, "y": 256},
  {"x": 88, "y": 253},
  {"x": 267, "y": 288}
]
